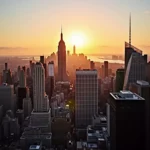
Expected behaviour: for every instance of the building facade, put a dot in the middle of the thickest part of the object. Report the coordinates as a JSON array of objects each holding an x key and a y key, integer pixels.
[
  {"x": 127, "y": 121},
  {"x": 119, "y": 79},
  {"x": 105, "y": 68},
  {"x": 86, "y": 96},
  {"x": 142, "y": 88},
  {"x": 136, "y": 69},
  {"x": 41, "y": 102}
]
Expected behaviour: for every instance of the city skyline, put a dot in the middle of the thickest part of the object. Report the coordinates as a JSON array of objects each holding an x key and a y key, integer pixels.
[{"x": 33, "y": 27}]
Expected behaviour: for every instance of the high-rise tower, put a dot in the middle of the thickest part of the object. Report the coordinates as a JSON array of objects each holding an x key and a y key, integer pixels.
[
  {"x": 86, "y": 97},
  {"x": 126, "y": 109},
  {"x": 50, "y": 81},
  {"x": 40, "y": 99},
  {"x": 129, "y": 48},
  {"x": 40, "y": 116},
  {"x": 22, "y": 78},
  {"x": 61, "y": 59},
  {"x": 74, "y": 50}
]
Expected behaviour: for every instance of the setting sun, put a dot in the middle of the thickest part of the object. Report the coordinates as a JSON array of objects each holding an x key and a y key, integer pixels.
[{"x": 77, "y": 39}]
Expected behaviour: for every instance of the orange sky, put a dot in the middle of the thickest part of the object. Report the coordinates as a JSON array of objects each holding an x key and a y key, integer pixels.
[{"x": 35, "y": 26}]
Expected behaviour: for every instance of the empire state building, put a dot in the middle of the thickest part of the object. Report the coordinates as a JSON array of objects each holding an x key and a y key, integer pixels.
[{"x": 62, "y": 59}]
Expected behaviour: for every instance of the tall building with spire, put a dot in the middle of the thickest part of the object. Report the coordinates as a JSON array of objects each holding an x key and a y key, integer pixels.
[
  {"x": 129, "y": 48},
  {"x": 62, "y": 59},
  {"x": 135, "y": 63}
]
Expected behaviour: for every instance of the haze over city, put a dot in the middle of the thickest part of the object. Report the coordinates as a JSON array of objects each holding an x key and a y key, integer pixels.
[
  {"x": 74, "y": 75},
  {"x": 32, "y": 27}
]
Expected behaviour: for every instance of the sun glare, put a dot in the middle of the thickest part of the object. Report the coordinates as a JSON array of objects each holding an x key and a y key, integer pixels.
[{"x": 77, "y": 39}]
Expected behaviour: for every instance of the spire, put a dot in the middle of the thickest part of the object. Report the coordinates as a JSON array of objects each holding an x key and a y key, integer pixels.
[
  {"x": 61, "y": 34},
  {"x": 130, "y": 30}
]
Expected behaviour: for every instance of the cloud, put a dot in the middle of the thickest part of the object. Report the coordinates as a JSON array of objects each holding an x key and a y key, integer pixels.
[
  {"x": 145, "y": 46},
  {"x": 12, "y": 48},
  {"x": 147, "y": 12}
]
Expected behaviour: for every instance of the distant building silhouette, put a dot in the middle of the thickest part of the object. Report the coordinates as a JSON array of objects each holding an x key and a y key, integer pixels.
[
  {"x": 22, "y": 78},
  {"x": 92, "y": 65},
  {"x": 62, "y": 59},
  {"x": 42, "y": 59},
  {"x": 105, "y": 69},
  {"x": 74, "y": 50}
]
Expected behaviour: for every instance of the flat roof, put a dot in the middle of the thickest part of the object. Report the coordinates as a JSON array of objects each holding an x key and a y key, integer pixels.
[
  {"x": 34, "y": 147},
  {"x": 126, "y": 95},
  {"x": 141, "y": 82},
  {"x": 92, "y": 145},
  {"x": 86, "y": 72}
]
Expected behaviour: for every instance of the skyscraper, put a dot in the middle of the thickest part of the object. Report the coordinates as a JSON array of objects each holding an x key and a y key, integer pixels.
[
  {"x": 5, "y": 73},
  {"x": 105, "y": 69},
  {"x": 27, "y": 106},
  {"x": 119, "y": 79},
  {"x": 50, "y": 81},
  {"x": 22, "y": 78},
  {"x": 142, "y": 88},
  {"x": 40, "y": 99},
  {"x": 86, "y": 97},
  {"x": 40, "y": 120},
  {"x": 74, "y": 50},
  {"x": 136, "y": 69},
  {"x": 62, "y": 59},
  {"x": 40, "y": 116},
  {"x": 22, "y": 89},
  {"x": 92, "y": 65},
  {"x": 7, "y": 97},
  {"x": 42, "y": 60},
  {"x": 129, "y": 48},
  {"x": 127, "y": 121}
]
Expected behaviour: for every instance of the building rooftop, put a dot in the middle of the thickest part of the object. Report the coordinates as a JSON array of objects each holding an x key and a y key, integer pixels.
[
  {"x": 86, "y": 70},
  {"x": 127, "y": 45},
  {"x": 143, "y": 83},
  {"x": 38, "y": 63},
  {"x": 80, "y": 144},
  {"x": 100, "y": 117},
  {"x": 92, "y": 145},
  {"x": 34, "y": 147},
  {"x": 51, "y": 62},
  {"x": 62, "y": 82},
  {"x": 126, "y": 95}
]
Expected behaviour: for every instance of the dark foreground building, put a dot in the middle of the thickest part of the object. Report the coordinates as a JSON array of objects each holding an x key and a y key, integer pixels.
[
  {"x": 127, "y": 121},
  {"x": 142, "y": 88}
]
